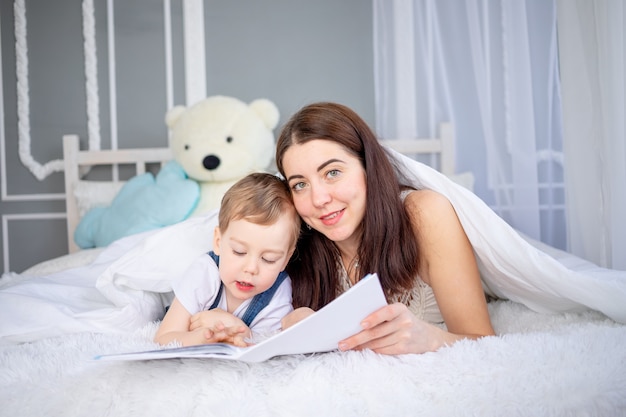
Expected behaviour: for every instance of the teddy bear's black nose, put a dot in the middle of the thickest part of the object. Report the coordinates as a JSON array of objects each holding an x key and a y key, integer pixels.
[{"x": 211, "y": 162}]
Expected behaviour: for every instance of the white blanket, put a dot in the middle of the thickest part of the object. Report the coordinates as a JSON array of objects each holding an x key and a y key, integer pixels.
[
  {"x": 126, "y": 286},
  {"x": 521, "y": 269}
]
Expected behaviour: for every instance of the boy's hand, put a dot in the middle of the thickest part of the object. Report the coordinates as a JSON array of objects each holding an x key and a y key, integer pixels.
[
  {"x": 231, "y": 335},
  {"x": 211, "y": 318},
  {"x": 218, "y": 325},
  {"x": 295, "y": 316}
]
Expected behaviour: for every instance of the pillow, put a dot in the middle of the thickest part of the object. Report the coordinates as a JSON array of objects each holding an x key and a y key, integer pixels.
[
  {"x": 90, "y": 194},
  {"x": 143, "y": 203}
]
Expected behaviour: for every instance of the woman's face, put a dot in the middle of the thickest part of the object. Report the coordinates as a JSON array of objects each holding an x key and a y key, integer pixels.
[{"x": 328, "y": 187}]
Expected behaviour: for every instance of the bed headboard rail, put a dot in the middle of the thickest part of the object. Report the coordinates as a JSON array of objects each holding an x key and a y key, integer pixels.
[
  {"x": 74, "y": 159},
  {"x": 443, "y": 145}
]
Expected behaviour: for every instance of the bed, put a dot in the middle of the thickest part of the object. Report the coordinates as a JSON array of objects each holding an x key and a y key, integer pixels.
[{"x": 548, "y": 359}]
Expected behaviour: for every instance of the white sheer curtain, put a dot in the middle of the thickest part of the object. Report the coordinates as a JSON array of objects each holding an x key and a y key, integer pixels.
[
  {"x": 491, "y": 68},
  {"x": 592, "y": 48}
]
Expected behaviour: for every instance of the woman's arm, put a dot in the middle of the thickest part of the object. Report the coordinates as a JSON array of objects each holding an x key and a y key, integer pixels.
[{"x": 448, "y": 265}]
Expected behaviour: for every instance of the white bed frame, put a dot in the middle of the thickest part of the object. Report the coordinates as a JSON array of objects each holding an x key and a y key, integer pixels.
[
  {"x": 76, "y": 160},
  {"x": 444, "y": 146}
]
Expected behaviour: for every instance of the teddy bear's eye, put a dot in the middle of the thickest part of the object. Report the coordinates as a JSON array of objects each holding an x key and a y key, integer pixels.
[
  {"x": 229, "y": 139},
  {"x": 186, "y": 147}
]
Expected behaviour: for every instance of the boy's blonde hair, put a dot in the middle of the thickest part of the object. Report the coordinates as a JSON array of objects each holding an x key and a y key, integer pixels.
[{"x": 259, "y": 198}]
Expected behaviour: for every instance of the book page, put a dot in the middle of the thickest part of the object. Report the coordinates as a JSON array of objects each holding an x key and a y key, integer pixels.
[
  {"x": 213, "y": 349},
  {"x": 319, "y": 332},
  {"x": 322, "y": 331}
]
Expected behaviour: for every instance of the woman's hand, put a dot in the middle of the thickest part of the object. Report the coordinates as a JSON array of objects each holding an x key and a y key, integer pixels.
[{"x": 394, "y": 330}]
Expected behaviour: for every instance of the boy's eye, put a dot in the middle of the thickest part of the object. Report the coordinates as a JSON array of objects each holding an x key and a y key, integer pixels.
[
  {"x": 238, "y": 253},
  {"x": 269, "y": 261}
]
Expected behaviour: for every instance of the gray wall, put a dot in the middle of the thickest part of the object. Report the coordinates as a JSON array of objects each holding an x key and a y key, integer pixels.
[{"x": 290, "y": 51}]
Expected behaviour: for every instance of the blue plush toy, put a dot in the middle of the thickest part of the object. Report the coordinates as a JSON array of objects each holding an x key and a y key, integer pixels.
[{"x": 144, "y": 203}]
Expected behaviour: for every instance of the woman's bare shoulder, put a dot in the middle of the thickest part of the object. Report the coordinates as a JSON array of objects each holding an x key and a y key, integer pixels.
[
  {"x": 431, "y": 214},
  {"x": 426, "y": 203}
]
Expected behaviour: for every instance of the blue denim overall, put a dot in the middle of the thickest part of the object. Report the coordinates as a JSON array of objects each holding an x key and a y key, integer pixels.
[{"x": 258, "y": 303}]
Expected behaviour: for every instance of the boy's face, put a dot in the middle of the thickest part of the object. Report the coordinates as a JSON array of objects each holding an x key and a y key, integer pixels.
[{"x": 252, "y": 255}]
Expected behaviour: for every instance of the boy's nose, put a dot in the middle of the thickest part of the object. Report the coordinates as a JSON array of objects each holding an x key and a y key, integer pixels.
[{"x": 251, "y": 266}]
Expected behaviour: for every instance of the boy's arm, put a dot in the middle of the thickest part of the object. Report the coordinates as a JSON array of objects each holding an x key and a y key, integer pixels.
[
  {"x": 225, "y": 326},
  {"x": 175, "y": 327},
  {"x": 210, "y": 327}
]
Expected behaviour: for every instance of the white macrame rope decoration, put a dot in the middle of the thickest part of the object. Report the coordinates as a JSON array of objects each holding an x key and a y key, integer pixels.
[
  {"x": 23, "y": 101},
  {"x": 91, "y": 75}
]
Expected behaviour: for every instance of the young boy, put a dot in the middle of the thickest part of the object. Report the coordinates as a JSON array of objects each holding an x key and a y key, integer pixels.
[{"x": 220, "y": 297}]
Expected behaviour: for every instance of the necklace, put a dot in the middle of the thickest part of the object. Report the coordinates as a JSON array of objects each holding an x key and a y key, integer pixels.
[{"x": 354, "y": 264}]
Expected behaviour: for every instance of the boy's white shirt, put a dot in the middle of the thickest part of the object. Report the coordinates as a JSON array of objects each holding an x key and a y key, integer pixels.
[{"x": 198, "y": 287}]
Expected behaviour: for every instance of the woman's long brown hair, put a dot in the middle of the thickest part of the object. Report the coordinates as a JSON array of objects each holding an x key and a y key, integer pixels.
[{"x": 388, "y": 245}]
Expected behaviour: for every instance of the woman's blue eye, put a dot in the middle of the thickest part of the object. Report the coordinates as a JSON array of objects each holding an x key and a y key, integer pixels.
[
  {"x": 333, "y": 173},
  {"x": 298, "y": 186}
]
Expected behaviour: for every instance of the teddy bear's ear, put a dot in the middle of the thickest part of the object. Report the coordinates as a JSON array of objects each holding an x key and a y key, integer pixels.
[
  {"x": 267, "y": 111},
  {"x": 171, "y": 117}
]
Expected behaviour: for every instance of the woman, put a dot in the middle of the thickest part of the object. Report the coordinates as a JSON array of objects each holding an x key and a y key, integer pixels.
[{"x": 360, "y": 217}]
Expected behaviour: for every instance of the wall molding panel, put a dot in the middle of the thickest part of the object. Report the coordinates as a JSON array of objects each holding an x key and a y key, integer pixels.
[
  {"x": 23, "y": 100},
  {"x": 6, "y": 218},
  {"x": 95, "y": 25}
]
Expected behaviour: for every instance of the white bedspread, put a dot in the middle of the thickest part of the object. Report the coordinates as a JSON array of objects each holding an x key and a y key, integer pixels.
[
  {"x": 564, "y": 364},
  {"x": 520, "y": 269},
  {"x": 127, "y": 286},
  {"x": 124, "y": 289}
]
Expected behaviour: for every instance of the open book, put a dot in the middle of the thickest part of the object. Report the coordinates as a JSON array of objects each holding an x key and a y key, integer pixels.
[{"x": 319, "y": 332}]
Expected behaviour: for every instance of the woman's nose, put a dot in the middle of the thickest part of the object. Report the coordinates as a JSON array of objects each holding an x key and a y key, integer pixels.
[{"x": 320, "y": 195}]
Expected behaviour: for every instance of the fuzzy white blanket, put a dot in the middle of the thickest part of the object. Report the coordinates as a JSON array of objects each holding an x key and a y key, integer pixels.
[{"x": 564, "y": 364}]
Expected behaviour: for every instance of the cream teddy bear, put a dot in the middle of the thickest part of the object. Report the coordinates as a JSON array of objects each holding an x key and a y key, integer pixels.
[{"x": 221, "y": 139}]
